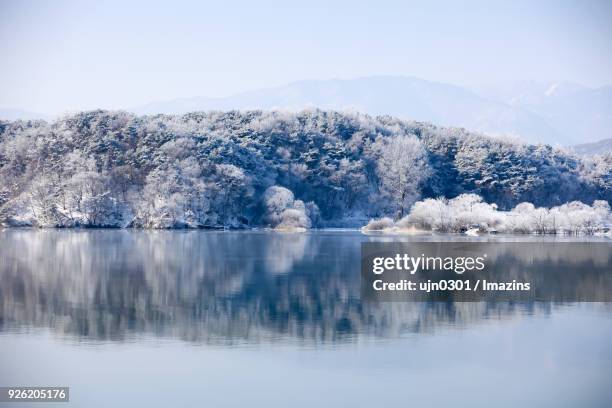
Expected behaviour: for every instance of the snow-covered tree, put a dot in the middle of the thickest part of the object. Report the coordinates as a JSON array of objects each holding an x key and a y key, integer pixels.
[
  {"x": 283, "y": 211},
  {"x": 401, "y": 167}
]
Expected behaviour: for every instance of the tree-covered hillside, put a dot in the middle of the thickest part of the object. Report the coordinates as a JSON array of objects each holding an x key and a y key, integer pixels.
[{"x": 278, "y": 169}]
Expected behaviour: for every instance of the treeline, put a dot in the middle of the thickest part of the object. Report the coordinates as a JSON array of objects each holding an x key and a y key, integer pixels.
[{"x": 278, "y": 169}]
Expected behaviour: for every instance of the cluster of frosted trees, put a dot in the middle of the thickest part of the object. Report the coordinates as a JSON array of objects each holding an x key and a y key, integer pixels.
[
  {"x": 284, "y": 212},
  {"x": 469, "y": 212}
]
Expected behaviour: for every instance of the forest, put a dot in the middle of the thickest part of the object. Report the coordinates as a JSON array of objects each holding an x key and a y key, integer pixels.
[{"x": 276, "y": 169}]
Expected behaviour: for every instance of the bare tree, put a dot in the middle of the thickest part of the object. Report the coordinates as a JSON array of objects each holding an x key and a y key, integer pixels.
[{"x": 401, "y": 168}]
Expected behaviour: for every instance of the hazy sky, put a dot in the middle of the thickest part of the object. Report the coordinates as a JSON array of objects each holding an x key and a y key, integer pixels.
[{"x": 69, "y": 55}]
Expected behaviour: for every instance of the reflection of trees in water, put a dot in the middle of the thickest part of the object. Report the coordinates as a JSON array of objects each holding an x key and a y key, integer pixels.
[{"x": 206, "y": 287}]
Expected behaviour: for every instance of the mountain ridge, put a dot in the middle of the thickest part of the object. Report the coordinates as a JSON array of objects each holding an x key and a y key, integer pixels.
[
  {"x": 408, "y": 98},
  {"x": 600, "y": 147}
]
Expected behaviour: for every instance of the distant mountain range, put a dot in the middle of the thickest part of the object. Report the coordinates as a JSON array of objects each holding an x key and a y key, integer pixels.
[
  {"x": 15, "y": 114},
  {"x": 603, "y": 146},
  {"x": 578, "y": 114},
  {"x": 557, "y": 113}
]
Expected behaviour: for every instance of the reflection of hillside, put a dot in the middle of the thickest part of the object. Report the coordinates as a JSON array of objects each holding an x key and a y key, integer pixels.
[{"x": 205, "y": 287}]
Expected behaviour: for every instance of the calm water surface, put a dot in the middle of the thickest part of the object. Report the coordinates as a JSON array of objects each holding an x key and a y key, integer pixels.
[{"x": 235, "y": 319}]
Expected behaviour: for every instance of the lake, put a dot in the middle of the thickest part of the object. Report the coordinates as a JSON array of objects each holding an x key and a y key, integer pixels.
[{"x": 262, "y": 319}]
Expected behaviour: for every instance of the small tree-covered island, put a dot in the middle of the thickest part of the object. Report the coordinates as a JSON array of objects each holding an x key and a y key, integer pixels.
[{"x": 291, "y": 171}]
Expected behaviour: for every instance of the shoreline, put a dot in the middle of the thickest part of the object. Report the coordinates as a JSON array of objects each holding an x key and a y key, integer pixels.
[{"x": 394, "y": 232}]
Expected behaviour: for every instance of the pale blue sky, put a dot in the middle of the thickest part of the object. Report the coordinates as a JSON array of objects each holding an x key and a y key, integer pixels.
[{"x": 68, "y": 55}]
